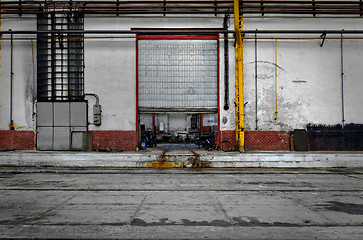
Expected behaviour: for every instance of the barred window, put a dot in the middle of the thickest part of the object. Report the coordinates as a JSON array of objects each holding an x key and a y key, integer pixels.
[{"x": 60, "y": 57}]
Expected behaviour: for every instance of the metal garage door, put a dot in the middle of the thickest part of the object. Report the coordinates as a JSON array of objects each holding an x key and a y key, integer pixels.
[{"x": 177, "y": 75}]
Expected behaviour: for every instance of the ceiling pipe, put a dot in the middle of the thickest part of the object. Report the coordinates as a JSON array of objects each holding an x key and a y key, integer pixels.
[{"x": 182, "y": 31}]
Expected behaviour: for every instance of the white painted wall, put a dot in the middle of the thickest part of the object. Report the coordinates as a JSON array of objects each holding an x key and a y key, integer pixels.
[
  {"x": 111, "y": 73},
  {"x": 22, "y": 77},
  {"x": 308, "y": 76}
]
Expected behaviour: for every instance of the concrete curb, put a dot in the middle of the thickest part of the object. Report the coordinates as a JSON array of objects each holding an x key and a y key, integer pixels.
[{"x": 214, "y": 159}]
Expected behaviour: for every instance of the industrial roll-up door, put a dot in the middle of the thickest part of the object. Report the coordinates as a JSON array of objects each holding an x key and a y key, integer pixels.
[{"x": 177, "y": 75}]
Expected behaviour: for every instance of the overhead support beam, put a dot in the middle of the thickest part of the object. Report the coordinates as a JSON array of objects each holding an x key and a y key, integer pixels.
[
  {"x": 314, "y": 8},
  {"x": 239, "y": 101}
]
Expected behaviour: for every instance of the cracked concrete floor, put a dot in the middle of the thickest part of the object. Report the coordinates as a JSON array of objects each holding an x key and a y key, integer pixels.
[{"x": 181, "y": 204}]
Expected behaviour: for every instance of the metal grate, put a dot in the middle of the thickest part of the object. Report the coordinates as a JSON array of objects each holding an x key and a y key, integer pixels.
[
  {"x": 177, "y": 75},
  {"x": 60, "y": 58}
]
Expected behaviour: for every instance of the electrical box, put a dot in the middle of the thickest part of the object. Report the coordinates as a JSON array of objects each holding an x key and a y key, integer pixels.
[{"x": 97, "y": 114}]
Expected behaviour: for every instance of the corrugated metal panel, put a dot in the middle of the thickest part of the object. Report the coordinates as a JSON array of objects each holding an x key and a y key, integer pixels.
[{"x": 177, "y": 75}]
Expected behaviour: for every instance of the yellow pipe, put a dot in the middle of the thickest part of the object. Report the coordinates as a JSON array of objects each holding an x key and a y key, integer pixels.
[
  {"x": 276, "y": 78},
  {"x": 0, "y": 41},
  {"x": 240, "y": 121}
]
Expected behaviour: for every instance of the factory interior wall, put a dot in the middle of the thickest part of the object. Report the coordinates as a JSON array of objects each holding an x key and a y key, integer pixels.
[
  {"x": 23, "y": 113},
  {"x": 308, "y": 81}
]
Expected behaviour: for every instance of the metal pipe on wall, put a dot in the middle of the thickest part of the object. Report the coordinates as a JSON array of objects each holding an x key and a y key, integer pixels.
[
  {"x": 276, "y": 79},
  {"x": 181, "y": 31},
  {"x": 11, "y": 125},
  {"x": 256, "y": 119},
  {"x": 342, "y": 77},
  {"x": 226, "y": 64}
]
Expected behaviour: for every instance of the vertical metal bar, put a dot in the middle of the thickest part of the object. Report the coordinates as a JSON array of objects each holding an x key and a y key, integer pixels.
[
  {"x": 226, "y": 64},
  {"x": 53, "y": 59},
  {"x": 83, "y": 59},
  {"x": 33, "y": 68},
  {"x": 256, "y": 76},
  {"x": 275, "y": 79},
  {"x": 240, "y": 121},
  {"x": 64, "y": 90},
  {"x": 201, "y": 123},
  {"x": 215, "y": 9},
  {"x": 153, "y": 122},
  {"x": 11, "y": 82},
  {"x": 342, "y": 77},
  {"x": 70, "y": 67},
  {"x": 313, "y": 7}
]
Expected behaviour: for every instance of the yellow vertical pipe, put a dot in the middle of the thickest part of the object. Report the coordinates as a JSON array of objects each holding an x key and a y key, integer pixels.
[
  {"x": 240, "y": 121},
  {"x": 276, "y": 79},
  {"x": 0, "y": 42}
]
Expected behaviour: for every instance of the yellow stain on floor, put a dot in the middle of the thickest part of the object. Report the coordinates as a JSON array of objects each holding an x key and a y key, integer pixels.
[{"x": 163, "y": 164}]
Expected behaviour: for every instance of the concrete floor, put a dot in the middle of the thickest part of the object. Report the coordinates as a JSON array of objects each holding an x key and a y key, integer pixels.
[{"x": 45, "y": 203}]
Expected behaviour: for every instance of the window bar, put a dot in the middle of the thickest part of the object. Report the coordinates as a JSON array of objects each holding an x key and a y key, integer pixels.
[{"x": 53, "y": 57}]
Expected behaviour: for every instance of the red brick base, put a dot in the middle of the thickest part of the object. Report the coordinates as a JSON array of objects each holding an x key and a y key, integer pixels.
[
  {"x": 123, "y": 140},
  {"x": 17, "y": 140},
  {"x": 229, "y": 135},
  {"x": 260, "y": 140},
  {"x": 126, "y": 140},
  {"x": 267, "y": 140}
]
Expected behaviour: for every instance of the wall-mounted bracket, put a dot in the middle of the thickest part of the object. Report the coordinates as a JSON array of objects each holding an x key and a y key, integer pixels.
[{"x": 323, "y": 36}]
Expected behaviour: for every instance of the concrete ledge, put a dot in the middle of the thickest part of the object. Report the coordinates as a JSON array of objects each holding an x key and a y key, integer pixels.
[
  {"x": 288, "y": 160},
  {"x": 214, "y": 159}
]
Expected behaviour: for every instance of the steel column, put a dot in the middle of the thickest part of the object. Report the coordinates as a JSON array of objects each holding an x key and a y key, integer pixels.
[{"x": 240, "y": 121}]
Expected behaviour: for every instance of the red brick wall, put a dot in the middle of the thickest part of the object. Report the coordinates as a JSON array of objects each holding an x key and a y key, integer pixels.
[
  {"x": 261, "y": 140},
  {"x": 123, "y": 140},
  {"x": 126, "y": 140},
  {"x": 229, "y": 135},
  {"x": 18, "y": 140},
  {"x": 267, "y": 140}
]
